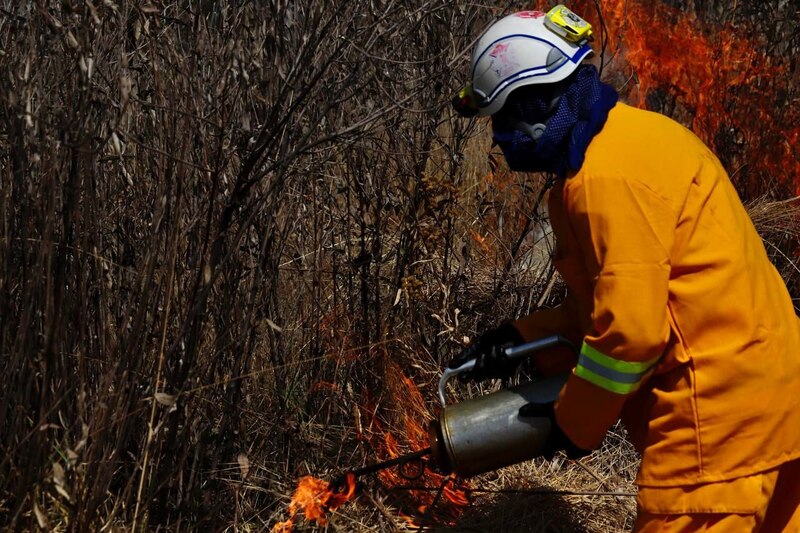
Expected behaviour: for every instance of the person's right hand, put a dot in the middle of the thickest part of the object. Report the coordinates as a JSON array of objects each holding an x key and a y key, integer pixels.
[
  {"x": 557, "y": 440},
  {"x": 490, "y": 358}
]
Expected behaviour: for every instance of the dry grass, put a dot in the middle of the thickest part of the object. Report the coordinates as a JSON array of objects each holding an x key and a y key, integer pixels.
[{"x": 778, "y": 222}]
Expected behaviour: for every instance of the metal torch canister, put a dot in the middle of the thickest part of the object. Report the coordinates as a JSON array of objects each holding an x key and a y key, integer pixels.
[{"x": 486, "y": 433}]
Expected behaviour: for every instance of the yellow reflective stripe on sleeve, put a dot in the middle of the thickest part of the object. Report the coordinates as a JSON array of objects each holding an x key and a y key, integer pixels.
[
  {"x": 605, "y": 383},
  {"x": 615, "y": 364},
  {"x": 621, "y": 377}
]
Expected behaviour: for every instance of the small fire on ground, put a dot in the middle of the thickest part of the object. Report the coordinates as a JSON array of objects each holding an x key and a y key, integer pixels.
[
  {"x": 408, "y": 426},
  {"x": 315, "y": 497}
]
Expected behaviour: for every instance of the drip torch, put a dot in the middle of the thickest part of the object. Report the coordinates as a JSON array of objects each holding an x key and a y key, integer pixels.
[{"x": 484, "y": 433}]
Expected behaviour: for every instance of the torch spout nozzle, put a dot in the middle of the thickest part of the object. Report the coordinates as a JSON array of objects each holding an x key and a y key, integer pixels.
[
  {"x": 397, "y": 461},
  {"x": 410, "y": 466}
]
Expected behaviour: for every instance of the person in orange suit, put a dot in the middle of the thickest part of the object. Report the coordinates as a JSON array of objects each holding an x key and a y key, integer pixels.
[{"x": 686, "y": 330}]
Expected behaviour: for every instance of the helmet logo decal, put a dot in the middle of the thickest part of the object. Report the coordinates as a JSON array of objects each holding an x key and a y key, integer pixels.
[
  {"x": 530, "y": 14},
  {"x": 499, "y": 50},
  {"x": 503, "y": 62}
]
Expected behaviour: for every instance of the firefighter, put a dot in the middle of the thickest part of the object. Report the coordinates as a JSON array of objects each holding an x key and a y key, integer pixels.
[{"x": 686, "y": 330}]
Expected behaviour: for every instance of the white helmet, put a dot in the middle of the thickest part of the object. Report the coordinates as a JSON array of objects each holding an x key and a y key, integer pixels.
[{"x": 526, "y": 48}]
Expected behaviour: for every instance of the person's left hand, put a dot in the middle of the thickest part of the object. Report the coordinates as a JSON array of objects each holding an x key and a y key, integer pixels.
[
  {"x": 488, "y": 351},
  {"x": 558, "y": 440}
]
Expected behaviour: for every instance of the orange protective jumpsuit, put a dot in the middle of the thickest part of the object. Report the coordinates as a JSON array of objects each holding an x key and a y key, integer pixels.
[{"x": 687, "y": 330}]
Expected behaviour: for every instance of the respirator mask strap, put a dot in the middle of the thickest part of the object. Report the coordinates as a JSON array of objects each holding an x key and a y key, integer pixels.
[{"x": 534, "y": 131}]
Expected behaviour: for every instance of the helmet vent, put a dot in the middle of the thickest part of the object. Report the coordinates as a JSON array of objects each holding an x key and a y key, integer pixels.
[{"x": 554, "y": 59}]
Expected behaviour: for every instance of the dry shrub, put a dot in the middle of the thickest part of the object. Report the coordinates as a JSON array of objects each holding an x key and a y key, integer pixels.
[{"x": 778, "y": 222}]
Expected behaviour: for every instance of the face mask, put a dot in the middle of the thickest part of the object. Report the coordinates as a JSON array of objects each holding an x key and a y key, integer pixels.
[
  {"x": 519, "y": 146},
  {"x": 573, "y": 111},
  {"x": 518, "y": 127}
]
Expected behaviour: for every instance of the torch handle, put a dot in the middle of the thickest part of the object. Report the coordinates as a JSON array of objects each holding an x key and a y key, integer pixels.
[{"x": 512, "y": 352}]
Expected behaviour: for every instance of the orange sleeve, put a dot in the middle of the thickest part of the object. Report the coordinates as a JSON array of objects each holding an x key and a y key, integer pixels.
[
  {"x": 627, "y": 232},
  {"x": 561, "y": 320}
]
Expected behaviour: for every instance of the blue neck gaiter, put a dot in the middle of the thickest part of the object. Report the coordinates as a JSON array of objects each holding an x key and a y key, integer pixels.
[{"x": 574, "y": 111}]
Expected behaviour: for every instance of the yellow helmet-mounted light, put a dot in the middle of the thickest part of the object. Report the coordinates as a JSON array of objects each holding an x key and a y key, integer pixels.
[
  {"x": 568, "y": 25},
  {"x": 465, "y": 102}
]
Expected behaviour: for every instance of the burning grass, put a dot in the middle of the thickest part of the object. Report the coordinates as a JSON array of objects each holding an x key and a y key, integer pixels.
[
  {"x": 733, "y": 73},
  {"x": 316, "y": 498}
]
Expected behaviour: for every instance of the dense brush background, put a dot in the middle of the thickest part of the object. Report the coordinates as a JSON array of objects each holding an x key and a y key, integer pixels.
[{"x": 229, "y": 230}]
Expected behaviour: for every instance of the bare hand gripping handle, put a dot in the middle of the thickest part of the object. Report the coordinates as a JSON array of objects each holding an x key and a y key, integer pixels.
[{"x": 513, "y": 352}]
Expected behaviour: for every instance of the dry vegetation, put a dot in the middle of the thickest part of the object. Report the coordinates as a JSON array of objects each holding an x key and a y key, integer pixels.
[{"x": 225, "y": 226}]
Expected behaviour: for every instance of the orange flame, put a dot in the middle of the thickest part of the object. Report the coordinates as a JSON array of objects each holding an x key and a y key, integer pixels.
[
  {"x": 480, "y": 240},
  {"x": 410, "y": 416},
  {"x": 327, "y": 386},
  {"x": 724, "y": 80},
  {"x": 315, "y": 497}
]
